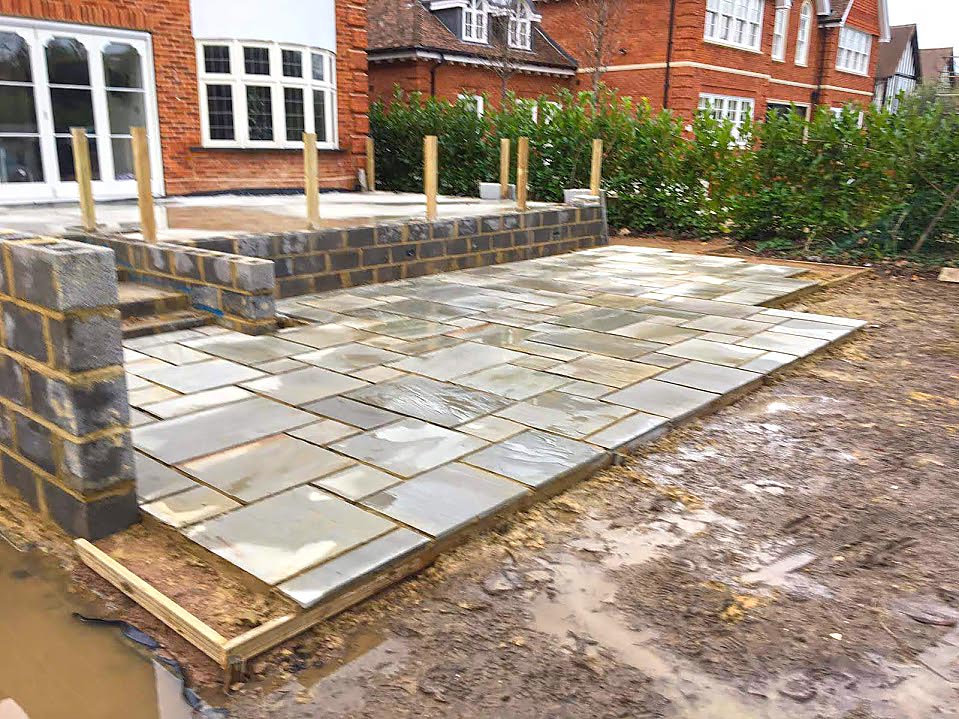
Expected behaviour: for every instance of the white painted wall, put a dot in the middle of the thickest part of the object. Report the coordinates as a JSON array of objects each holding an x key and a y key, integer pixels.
[{"x": 298, "y": 22}]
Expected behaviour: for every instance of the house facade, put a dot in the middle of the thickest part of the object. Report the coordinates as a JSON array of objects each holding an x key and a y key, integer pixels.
[
  {"x": 732, "y": 56},
  {"x": 899, "y": 67},
  {"x": 225, "y": 89},
  {"x": 939, "y": 68},
  {"x": 478, "y": 49}
]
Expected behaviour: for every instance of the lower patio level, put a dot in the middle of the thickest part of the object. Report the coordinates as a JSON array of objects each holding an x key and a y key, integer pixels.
[{"x": 394, "y": 417}]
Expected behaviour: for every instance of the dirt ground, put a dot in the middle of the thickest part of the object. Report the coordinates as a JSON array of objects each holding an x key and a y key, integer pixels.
[{"x": 793, "y": 555}]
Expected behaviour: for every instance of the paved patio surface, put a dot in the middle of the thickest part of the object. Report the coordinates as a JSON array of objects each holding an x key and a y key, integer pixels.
[{"x": 404, "y": 412}]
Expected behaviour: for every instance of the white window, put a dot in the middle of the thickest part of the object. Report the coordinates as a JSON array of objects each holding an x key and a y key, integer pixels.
[
  {"x": 780, "y": 28},
  {"x": 520, "y": 28},
  {"x": 477, "y": 101},
  {"x": 255, "y": 94},
  {"x": 802, "y": 36},
  {"x": 475, "y": 23},
  {"x": 854, "y": 47},
  {"x": 724, "y": 107},
  {"x": 735, "y": 22}
]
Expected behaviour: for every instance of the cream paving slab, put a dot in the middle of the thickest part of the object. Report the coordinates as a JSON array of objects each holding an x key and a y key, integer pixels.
[
  {"x": 811, "y": 328},
  {"x": 352, "y": 412},
  {"x": 320, "y": 336},
  {"x": 278, "y": 366},
  {"x": 565, "y": 414},
  {"x": 663, "y": 398},
  {"x": 441, "y": 501},
  {"x": 349, "y": 357},
  {"x": 244, "y": 348},
  {"x": 582, "y": 388},
  {"x": 710, "y": 377},
  {"x": 187, "y": 403},
  {"x": 769, "y": 362},
  {"x": 409, "y": 328},
  {"x": 779, "y": 342},
  {"x": 155, "y": 480},
  {"x": 626, "y": 433},
  {"x": 426, "y": 310},
  {"x": 285, "y": 534},
  {"x": 727, "y": 325},
  {"x": 599, "y": 319},
  {"x": 357, "y": 482},
  {"x": 594, "y": 343},
  {"x": 408, "y": 447},
  {"x": 452, "y": 362},
  {"x": 176, "y": 354},
  {"x": 148, "y": 394},
  {"x": 187, "y": 508},
  {"x": 714, "y": 352},
  {"x": 324, "y": 431},
  {"x": 512, "y": 382},
  {"x": 264, "y": 467},
  {"x": 379, "y": 373},
  {"x": 605, "y": 370},
  {"x": 492, "y": 428},
  {"x": 303, "y": 386},
  {"x": 138, "y": 417},
  {"x": 201, "y": 375},
  {"x": 655, "y": 332},
  {"x": 139, "y": 343},
  {"x": 775, "y": 314}
]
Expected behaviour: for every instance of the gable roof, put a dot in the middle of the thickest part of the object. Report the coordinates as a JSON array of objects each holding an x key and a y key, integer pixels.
[
  {"x": 890, "y": 53},
  {"x": 836, "y": 11},
  {"x": 397, "y": 25},
  {"x": 933, "y": 60}
]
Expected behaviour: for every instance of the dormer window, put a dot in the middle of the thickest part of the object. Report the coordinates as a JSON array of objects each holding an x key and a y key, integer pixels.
[
  {"x": 520, "y": 28},
  {"x": 475, "y": 21}
]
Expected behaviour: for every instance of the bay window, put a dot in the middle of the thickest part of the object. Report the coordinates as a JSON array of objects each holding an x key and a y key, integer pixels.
[
  {"x": 854, "y": 47},
  {"x": 265, "y": 95},
  {"x": 735, "y": 22}
]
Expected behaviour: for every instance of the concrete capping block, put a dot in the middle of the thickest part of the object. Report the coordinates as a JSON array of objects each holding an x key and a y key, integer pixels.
[
  {"x": 490, "y": 191},
  {"x": 62, "y": 275}
]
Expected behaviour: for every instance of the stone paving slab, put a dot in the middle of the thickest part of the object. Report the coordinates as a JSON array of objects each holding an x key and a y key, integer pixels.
[{"x": 403, "y": 413}]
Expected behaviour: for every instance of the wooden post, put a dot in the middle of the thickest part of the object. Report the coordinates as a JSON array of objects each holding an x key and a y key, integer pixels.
[
  {"x": 84, "y": 175},
  {"x": 504, "y": 168},
  {"x": 430, "y": 174},
  {"x": 141, "y": 168},
  {"x": 596, "y": 170},
  {"x": 370, "y": 165},
  {"x": 522, "y": 165},
  {"x": 311, "y": 185}
]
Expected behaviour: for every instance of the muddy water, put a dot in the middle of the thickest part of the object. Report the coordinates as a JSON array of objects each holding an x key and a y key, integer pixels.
[{"x": 53, "y": 666}]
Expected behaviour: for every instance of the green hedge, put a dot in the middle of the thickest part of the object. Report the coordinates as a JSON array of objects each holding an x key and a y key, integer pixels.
[{"x": 865, "y": 183}]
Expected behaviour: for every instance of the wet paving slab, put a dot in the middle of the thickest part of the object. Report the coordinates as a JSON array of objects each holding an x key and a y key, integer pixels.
[{"x": 403, "y": 413}]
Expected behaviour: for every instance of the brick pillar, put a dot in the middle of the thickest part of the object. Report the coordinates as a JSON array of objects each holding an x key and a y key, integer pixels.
[{"x": 64, "y": 419}]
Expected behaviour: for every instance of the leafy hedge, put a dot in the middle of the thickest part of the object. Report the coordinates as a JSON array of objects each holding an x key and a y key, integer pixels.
[{"x": 865, "y": 183}]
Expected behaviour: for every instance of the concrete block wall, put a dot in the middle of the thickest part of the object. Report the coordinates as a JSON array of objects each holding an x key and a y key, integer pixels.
[
  {"x": 321, "y": 260},
  {"x": 238, "y": 291},
  {"x": 65, "y": 443}
]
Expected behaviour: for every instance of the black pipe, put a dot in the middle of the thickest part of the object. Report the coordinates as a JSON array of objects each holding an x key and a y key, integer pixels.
[
  {"x": 436, "y": 66},
  {"x": 669, "y": 52},
  {"x": 817, "y": 93}
]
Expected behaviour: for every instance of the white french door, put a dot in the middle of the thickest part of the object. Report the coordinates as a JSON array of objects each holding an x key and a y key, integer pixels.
[{"x": 55, "y": 77}]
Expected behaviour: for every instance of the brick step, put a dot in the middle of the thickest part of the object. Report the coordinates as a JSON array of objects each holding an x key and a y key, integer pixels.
[
  {"x": 139, "y": 300},
  {"x": 166, "y": 322}
]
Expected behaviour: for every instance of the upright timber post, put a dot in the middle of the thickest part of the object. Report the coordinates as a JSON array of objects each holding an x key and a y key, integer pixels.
[
  {"x": 141, "y": 168},
  {"x": 311, "y": 183},
  {"x": 84, "y": 175},
  {"x": 522, "y": 165},
  {"x": 430, "y": 174},
  {"x": 370, "y": 165},
  {"x": 596, "y": 170},
  {"x": 504, "y": 168}
]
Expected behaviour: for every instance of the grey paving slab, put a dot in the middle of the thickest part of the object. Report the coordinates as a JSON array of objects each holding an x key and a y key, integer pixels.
[
  {"x": 138, "y": 343},
  {"x": 379, "y": 373},
  {"x": 139, "y": 418},
  {"x": 494, "y": 334},
  {"x": 285, "y": 534},
  {"x": 138, "y": 367},
  {"x": 349, "y": 357},
  {"x": 244, "y": 348},
  {"x": 176, "y": 354},
  {"x": 409, "y": 329},
  {"x": 564, "y": 414},
  {"x": 320, "y": 336},
  {"x": 811, "y": 328},
  {"x": 444, "y": 500},
  {"x": 339, "y": 574},
  {"x": 187, "y": 403},
  {"x": 660, "y": 360},
  {"x": 714, "y": 352},
  {"x": 582, "y": 388},
  {"x": 789, "y": 344},
  {"x": 201, "y": 375},
  {"x": 600, "y": 319},
  {"x": 264, "y": 467},
  {"x": 357, "y": 482},
  {"x": 193, "y": 435},
  {"x": 537, "y": 458},
  {"x": 769, "y": 362},
  {"x": 710, "y": 377},
  {"x": 352, "y": 412},
  {"x": 303, "y": 386},
  {"x": 148, "y": 394},
  {"x": 492, "y": 428},
  {"x": 625, "y": 434},
  {"x": 278, "y": 366},
  {"x": 442, "y": 403},
  {"x": 663, "y": 398},
  {"x": 155, "y": 480},
  {"x": 512, "y": 382},
  {"x": 727, "y": 325},
  {"x": 535, "y": 362},
  {"x": 423, "y": 346},
  {"x": 655, "y": 332},
  {"x": 605, "y": 370},
  {"x": 184, "y": 509},
  {"x": 426, "y": 310},
  {"x": 778, "y": 314},
  {"x": 595, "y": 343},
  {"x": 452, "y": 362},
  {"x": 324, "y": 431},
  {"x": 408, "y": 447}
]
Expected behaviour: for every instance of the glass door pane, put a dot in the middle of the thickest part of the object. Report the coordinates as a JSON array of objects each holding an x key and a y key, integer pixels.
[
  {"x": 19, "y": 132},
  {"x": 123, "y": 82},
  {"x": 71, "y": 100}
]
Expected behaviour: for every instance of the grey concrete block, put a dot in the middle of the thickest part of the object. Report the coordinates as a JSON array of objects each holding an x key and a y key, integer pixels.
[
  {"x": 187, "y": 263},
  {"x": 442, "y": 229},
  {"x": 20, "y": 477},
  {"x": 251, "y": 307},
  {"x": 254, "y": 246},
  {"x": 218, "y": 269},
  {"x": 23, "y": 330},
  {"x": 466, "y": 226},
  {"x": 418, "y": 231},
  {"x": 491, "y": 224},
  {"x": 12, "y": 380},
  {"x": 309, "y": 264},
  {"x": 204, "y": 297},
  {"x": 6, "y": 428},
  {"x": 93, "y": 466},
  {"x": 389, "y": 234},
  {"x": 255, "y": 276},
  {"x": 83, "y": 343},
  {"x": 35, "y": 442},
  {"x": 80, "y": 409},
  {"x": 360, "y": 237},
  {"x": 64, "y": 275},
  {"x": 156, "y": 259},
  {"x": 325, "y": 240},
  {"x": 91, "y": 520}
]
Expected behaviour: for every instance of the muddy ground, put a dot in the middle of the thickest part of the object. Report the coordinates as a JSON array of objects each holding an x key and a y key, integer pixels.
[{"x": 794, "y": 555}]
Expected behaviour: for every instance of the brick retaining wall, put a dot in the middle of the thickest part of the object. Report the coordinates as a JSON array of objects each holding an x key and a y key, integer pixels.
[{"x": 64, "y": 418}]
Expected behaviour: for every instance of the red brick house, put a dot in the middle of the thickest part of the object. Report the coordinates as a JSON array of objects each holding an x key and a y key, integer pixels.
[
  {"x": 732, "y": 55},
  {"x": 225, "y": 89},
  {"x": 454, "y": 48}
]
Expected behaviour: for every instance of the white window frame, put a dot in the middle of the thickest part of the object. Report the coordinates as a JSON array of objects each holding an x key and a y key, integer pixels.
[
  {"x": 855, "y": 47},
  {"x": 476, "y": 22},
  {"x": 780, "y": 34},
  {"x": 238, "y": 80},
  {"x": 478, "y": 102},
  {"x": 728, "y": 107},
  {"x": 735, "y": 23},
  {"x": 804, "y": 34},
  {"x": 520, "y": 28}
]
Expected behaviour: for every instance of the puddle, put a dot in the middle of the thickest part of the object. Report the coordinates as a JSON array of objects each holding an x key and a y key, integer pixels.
[{"x": 53, "y": 666}]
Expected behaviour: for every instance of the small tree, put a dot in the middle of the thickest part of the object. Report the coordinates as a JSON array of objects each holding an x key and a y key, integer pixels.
[{"x": 602, "y": 20}]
